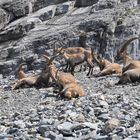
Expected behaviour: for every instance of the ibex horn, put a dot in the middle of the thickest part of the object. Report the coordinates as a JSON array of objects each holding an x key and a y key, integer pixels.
[{"x": 124, "y": 47}]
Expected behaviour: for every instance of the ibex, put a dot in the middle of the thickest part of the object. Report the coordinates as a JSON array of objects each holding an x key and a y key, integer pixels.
[
  {"x": 61, "y": 78},
  {"x": 27, "y": 81},
  {"x": 67, "y": 83},
  {"x": 101, "y": 62},
  {"x": 78, "y": 58},
  {"x": 130, "y": 76},
  {"x": 72, "y": 90},
  {"x": 106, "y": 67},
  {"x": 20, "y": 71},
  {"x": 122, "y": 54},
  {"x": 23, "y": 78},
  {"x": 71, "y": 50},
  {"x": 38, "y": 80}
]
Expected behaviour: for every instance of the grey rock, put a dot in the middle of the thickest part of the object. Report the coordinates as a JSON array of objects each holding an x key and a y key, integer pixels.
[
  {"x": 91, "y": 125},
  {"x": 64, "y": 8},
  {"x": 4, "y": 18},
  {"x": 43, "y": 129},
  {"x": 12, "y": 130},
  {"x": 19, "y": 124},
  {"x": 82, "y": 3},
  {"x": 111, "y": 124},
  {"x": 18, "y": 29},
  {"x": 104, "y": 117},
  {"x": 65, "y": 126},
  {"x": 38, "y": 4},
  {"x": 103, "y": 4}
]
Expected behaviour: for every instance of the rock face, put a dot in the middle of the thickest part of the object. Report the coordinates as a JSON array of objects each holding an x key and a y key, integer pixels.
[
  {"x": 83, "y": 3},
  {"x": 4, "y": 18},
  {"x": 28, "y": 28}
]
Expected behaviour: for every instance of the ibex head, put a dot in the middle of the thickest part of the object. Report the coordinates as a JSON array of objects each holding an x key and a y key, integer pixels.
[
  {"x": 50, "y": 59},
  {"x": 122, "y": 52}
]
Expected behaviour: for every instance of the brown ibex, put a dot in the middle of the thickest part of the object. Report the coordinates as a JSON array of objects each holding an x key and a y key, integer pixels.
[
  {"x": 76, "y": 59},
  {"x": 20, "y": 71},
  {"x": 106, "y": 67},
  {"x": 129, "y": 63},
  {"x": 24, "y": 80},
  {"x": 27, "y": 81},
  {"x": 67, "y": 83},
  {"x": 69, "y": 51},
  {"x": 72, "y": 90},
  {"x": 101, "y": 62},
  {"x": 130, "y": 76},
  {"x": 37, "y": 80}
]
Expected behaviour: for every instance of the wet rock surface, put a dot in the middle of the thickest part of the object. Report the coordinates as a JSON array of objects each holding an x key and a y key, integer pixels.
[{"x": 106, "y": 111}]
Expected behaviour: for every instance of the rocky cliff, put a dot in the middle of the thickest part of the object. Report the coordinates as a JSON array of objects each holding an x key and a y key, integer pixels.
[{"x": 30, "y": 27}]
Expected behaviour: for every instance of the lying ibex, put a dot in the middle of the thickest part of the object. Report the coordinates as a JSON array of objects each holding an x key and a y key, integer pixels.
[
  {"x": 106, "y": 67},
  {"x": 60, "y": 77},
  {"x": 122, "y": 54},
  {"x": 113, "y": 68},
  {"x": 130, "y": 76},
  {"x": 78, "y": 58},
  {"x": 20, "y": 71},
  {"x": 67, "y": 83},
  {"x": 101, "y": 62},
  {"x": 37, "y": 80},
  {"x": 24, "y": 80},
  {"x": 27, "y": 81},
  {"x": 72, "y": 90}
]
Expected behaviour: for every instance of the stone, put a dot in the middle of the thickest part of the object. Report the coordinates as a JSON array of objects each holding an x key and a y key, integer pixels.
[
  {"x": 91, "y": 125},
  {"x": 19, "y": 124},
  {"x": 4, "y": 18},
  {"x": 18, "y": 29},
  {"x": 83, "y": 3},
  {"x": 65, "y": 126},
  {"x": 64, "y": 8},
  {"x": 103, "y": 4},
  {"x": 111, "y": 124},
  {"x": 43, "y": 129}
]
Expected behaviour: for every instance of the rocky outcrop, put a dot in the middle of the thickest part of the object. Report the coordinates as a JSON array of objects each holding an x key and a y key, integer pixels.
[
  {"x": 4, "y": 18},
  {"x": 31, "y": 31},
  {"x": 83, "y": 3}
]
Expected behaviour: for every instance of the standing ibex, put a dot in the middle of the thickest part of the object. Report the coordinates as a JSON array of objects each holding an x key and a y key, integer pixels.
[
  {"x": 122, "y": 54},
  {"x": 78, "y": 58},
  {"x": 69, "y": 51}
]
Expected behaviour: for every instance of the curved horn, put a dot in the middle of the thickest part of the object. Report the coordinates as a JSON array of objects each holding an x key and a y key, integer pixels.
[
  {"x": 53, "y": 57},
  {"x": 124, "y": 47}
]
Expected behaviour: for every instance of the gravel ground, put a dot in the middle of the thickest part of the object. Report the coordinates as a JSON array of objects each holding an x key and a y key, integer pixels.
[{"x": 106, "y": 112}]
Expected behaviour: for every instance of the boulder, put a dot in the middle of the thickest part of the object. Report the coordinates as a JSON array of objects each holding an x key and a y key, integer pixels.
[
  {"x": 4, "y": 18},
  {"x": 83, "y": 3}
]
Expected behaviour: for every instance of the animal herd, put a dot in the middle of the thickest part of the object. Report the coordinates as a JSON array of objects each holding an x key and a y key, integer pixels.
[{"x": 65, "y": 80}]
